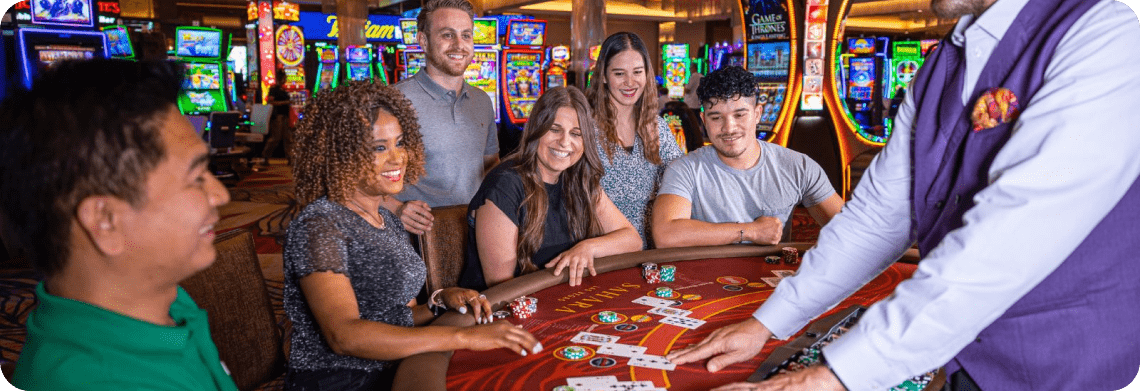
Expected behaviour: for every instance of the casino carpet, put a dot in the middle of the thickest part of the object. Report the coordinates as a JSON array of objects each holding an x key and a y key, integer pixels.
[{"x": 262, "y": 203}]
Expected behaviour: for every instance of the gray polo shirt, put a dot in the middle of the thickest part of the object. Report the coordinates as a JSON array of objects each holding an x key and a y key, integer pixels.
[{"x": 457, "y": 133}]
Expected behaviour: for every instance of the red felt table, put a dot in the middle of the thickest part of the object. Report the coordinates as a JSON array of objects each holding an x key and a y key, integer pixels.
[{"x": 723, "y": 285}]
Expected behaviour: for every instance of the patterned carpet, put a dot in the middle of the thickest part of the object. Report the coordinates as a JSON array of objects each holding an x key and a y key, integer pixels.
[{"x": 262, "y": 203}]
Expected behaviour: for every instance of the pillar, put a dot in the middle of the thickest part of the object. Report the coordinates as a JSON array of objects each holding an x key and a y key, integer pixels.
[
  {"x": 351, "y": 17},
  {"x": 587, "y": 28}
]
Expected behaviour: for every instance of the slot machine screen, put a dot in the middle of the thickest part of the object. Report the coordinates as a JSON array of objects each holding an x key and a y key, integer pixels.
[
  {"x": 76, "y": 13},
  {"x": 527, "y": 33},
  {"x": 202, "y": 76},
  {"x": 50, "y": 54},
  {"x": 119, "y": 42},
  {"x": 862, "y": 82},
  {"x": 198, "y": 43},
  {"x": 408, "y": 31},
  {"x": 486, "y": 31}
]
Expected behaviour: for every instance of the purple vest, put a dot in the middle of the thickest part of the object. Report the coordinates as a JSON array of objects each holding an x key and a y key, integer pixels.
[{"x": 1080, "y": 327}]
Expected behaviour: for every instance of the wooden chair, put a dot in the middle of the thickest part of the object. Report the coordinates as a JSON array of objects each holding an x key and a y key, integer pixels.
[
  {"x": 242, "y": 322},
  {"x": 443, "y": 248}
]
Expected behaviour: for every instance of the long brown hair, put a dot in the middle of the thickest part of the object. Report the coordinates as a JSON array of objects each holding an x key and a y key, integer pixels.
[
  {"x": 581, "y": 183},
  {"x": 336, "y": 133},
  {"x": 646, "y": 107}
]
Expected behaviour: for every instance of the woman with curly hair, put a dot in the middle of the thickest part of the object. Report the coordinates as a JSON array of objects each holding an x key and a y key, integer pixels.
[
  {"x": 543, "y": 205},
  {"x": 634, "y": 142},
  {"x": 351, "y": 275}
]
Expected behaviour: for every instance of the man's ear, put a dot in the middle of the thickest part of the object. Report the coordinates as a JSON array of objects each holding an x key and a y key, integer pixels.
[
  {"x": 422, "y": 39},
  {"x": 101, "y": 219}
]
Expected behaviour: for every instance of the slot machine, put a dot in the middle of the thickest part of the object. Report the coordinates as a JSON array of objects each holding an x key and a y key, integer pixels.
[
  {"x": 558, "y": 63},
  {"x": 358, "y": 63},
  {"x": 675, "y": 68},
  {"x": 483, "y": 73},
  {"x": 199, "y": 49},
  {"x": 328, "y": 71},
  {"x": 522, "y": 67},
  {"x": 119, "y": 42},
  {"x": 59, "y": 34}
]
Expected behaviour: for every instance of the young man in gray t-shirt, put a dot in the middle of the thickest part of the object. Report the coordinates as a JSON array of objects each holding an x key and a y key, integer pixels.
[{"x": 742, "y": 190}]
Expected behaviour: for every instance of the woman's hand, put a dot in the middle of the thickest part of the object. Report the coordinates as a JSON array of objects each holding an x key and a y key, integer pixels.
[
  {"x": 577, "y": 259},
  {"x": 501, "y": 334},
  {"x": 459, "y": 299}
]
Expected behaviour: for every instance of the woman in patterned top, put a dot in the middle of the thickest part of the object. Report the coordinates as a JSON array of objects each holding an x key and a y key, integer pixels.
[
  {"x": 351, "y": 275},
  {"x": 634, "y": 142},
  {"x": 543, "y": 206}
]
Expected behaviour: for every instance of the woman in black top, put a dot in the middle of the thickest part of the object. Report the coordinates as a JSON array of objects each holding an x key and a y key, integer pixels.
[
  {"x": 544, "y": 206},
  {"x": 351, "y": 276}
]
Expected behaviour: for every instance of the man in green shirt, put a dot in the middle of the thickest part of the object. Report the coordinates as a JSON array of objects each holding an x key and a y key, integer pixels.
[{"x": 104, "y": 184}]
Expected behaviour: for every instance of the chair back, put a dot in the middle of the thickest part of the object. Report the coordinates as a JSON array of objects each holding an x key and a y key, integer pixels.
[
  {"x": 443, "y": 247},
  {"x": 242, "y": 322},
  {"x": 259, "y": 116}
]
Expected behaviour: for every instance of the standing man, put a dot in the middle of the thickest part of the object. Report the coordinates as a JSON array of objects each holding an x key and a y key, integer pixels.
[
  {"x": 279, "y": 129},
  {"x": 742, "y": 189},
  {"x": 105, "y": 184},
  {"x": 461, "y": 140},
  {"x": 1013, "y": 165}
]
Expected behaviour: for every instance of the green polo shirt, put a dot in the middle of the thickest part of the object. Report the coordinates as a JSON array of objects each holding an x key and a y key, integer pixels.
[{"x": 73, "y": 345}]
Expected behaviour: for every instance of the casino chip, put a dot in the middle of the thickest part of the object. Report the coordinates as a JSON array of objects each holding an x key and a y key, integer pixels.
[
  {"x": 664, "y": 291},
  {"x": 732, "y": 288},
  {"x": 574, "y": 352},
  {"x": 501, "y": 314},
  {"x": 668, "y": 273},
  {"x": 608, "y": 317},
  {"x": 772, "y": 259},
  {"x": 691, "y": 297},
  {"x": 791, "y": 255},
  {"x": 626, "y": 327}
]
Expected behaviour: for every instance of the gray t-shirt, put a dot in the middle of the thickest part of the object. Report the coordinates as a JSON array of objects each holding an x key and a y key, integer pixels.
[
  {"x": 780, "y": 180},
  {"x": 457, "y": 131}
]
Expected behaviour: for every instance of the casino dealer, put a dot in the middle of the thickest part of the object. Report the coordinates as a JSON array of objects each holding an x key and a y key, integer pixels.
[
  {"x": 543, "y": 206},
  {"x": 351, "y": 276}
]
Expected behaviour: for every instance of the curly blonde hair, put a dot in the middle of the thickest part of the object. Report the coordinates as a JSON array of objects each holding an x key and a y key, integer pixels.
[{"x": 334, "y": 138}]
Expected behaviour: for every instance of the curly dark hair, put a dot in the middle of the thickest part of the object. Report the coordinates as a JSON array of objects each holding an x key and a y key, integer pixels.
[
  {"x": 725, "y": 84},
  {"x": 334, "y": 139},
  {"x": 90, "y": 128},
  {"x": 581, "y": 182}
]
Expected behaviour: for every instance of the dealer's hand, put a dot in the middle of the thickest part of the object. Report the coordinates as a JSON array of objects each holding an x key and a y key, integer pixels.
[
  {"x": 730, "y": 344},
  {"x": 814, "y": 378},
  {"x": 416, "y": 216},
  {"x": 577, "y": 260},
  {"x": 460, "y": 298}
]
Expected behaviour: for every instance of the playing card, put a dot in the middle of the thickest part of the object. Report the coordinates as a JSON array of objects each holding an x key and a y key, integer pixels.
[
  {"x": 590, "y": 382},
  {"x": 653, "y": 301},
  {"x": 783, "y": 273},
  {"x": 593, "y": 338},
  {"x": 651, "y": 361},
  {"x": 688, "y": 323},
  {"x": 663, "y": 311},
  {"x": 644, "y": 385},
  {"x": 617, "y": 349},
  {"x": 772, "y": 281}
]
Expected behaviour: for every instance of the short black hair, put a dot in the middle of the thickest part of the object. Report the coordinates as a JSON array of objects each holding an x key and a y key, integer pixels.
[
  {"x": 85, "y": 128},
  {"x": 726, "y": 83}
]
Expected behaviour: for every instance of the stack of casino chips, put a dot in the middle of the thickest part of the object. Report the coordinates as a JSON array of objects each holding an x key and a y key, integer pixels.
[
  {"x": 651, "y": 273},
  {"x": 574, "y": 352},
  {"x": 668, "y": 272},
  {"x": 791, "y": 256},
  {"x": 772, "y": 259},
  {"x": 524, "y": 307},
  {"x": 664, "y": 291},
  {"x": 608, "y": 316}
]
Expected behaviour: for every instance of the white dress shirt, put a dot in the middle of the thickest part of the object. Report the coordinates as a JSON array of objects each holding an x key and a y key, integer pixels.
[{"x": 1073, "y": 153}]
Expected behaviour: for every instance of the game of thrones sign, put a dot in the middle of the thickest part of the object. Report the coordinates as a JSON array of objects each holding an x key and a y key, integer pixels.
[{"x": 769, "y": 33}]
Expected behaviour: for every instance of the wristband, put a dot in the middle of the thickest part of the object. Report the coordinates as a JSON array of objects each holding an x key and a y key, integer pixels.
[{"x": 436, "y": 309}]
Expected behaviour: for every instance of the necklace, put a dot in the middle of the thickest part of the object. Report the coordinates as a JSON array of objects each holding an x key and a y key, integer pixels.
[{"x": 368, "y": 216}]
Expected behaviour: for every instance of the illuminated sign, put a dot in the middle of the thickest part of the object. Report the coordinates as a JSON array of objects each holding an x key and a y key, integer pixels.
[
  {"x": 283, "y": 10},
  {"x": 766, "y": 20},
  {"x": 320, "y": 26}
]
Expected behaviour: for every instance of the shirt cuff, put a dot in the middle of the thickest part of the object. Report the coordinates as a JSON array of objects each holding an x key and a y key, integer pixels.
[
  {"x": 858, "y": 364},
  {"x": 777, "y": 315}
]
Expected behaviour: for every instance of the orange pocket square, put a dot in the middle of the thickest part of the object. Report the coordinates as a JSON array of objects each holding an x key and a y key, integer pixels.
[{"x": 995, "y": 107}]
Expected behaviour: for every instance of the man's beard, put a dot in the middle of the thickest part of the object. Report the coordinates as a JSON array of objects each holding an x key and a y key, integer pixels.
[
  {"x": 952, "y": 9},
  {"x": 441, "y": 62}
]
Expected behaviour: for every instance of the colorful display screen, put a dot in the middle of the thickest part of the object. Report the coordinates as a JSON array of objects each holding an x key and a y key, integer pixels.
[
  {"x": 483, "y": 74},
  {"x": 676, "y": 50},
  {"x": 409, "y": 28},
  {"x": 202, "y": 76},
  {"x": 522, "y": 76},
  {"x": 413, "y": 61},
  {"x": 358, "y": 54},
  {"x": 359, "y": 71},
  {"x": 486, "y": 31},
  {"x": 560, "y": 53},
  {"x": 527, "y": 32},
  {"x": 119, "y": 42},
  {"x": 63, "y": 12},
  {"x": 770, "y": 60},
  {"x": 327, "y": 54},
  {"x": 861, "y": 45},
  {"x": 770, "y": 99},
  {"x": 861, "y": 83},
  {"x": 202, "y": 101},
  {"x": 198, "y": 43},
  {"x": 50, "y": 54}
]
